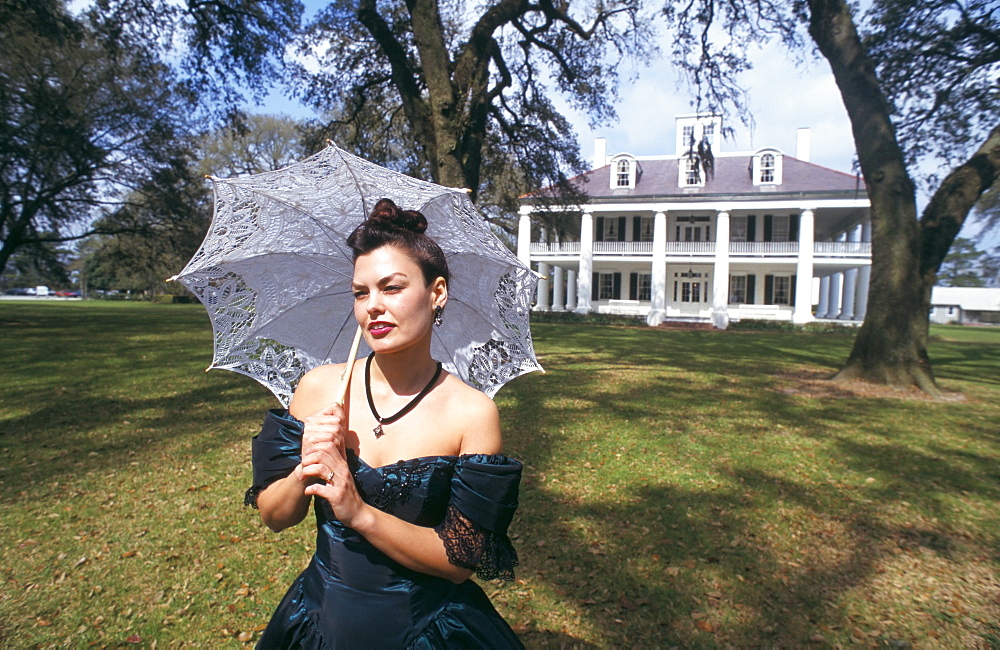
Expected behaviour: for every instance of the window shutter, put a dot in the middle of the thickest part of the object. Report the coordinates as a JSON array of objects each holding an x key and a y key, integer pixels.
[
  {"x": 636, "y": 228},
  {"x": 617, "y": 291},
  {"x": 622, "y": 225},
  {"x": 751, "y": 288},
  {"x": 767, "y": 227},
  {"x": 791, "y": 294},
  {"x": 633, "y": 286},
  {"x": 793, "y": 227},
  {"x": 768, "y": 289},
  {"x": 595, "y": 286},
  {"x": 675, "y": 290},
  {"x": 599, "y": 235},
  {"x": 751, "y": 227}
]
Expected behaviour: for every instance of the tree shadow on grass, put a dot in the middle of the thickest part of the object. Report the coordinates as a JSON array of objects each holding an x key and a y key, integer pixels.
[{"x": 748, "y": 554}]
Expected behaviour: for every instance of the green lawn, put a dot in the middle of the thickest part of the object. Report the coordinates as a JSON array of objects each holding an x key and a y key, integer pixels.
[{"x": 681, "y": 488}]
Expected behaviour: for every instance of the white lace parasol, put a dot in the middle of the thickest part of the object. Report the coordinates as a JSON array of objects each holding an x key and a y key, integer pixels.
[{"x": 274, "y": 273}]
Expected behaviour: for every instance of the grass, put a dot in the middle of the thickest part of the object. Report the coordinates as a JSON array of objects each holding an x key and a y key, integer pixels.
[{"x": 681, "y": 489}]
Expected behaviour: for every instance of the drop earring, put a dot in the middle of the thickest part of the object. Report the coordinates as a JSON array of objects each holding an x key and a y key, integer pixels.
[{"x": 437, "y": 315}]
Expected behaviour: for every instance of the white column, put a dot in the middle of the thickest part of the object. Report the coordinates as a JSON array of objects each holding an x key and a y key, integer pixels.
[
  {"x": 558, "y": 289},
  {"x": 802, "y": 312},
  {"x": 864, "y": 277},
  {"x": 834, "y": 307},
  {"x": 720, "y": 274},
  {"x": 658, "y": 272},
  {"x": 570, "y": 290},
  {"x": 584, "y": 279},
  {"x": 542, "y": 297},
  {"x": 824, "y": 297},
  {"x": 524, "y": 238},
  {"x": 850, "y": 283}
]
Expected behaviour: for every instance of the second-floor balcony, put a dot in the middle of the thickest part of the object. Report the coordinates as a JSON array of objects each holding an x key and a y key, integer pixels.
[{"x": 695, "y": 248}]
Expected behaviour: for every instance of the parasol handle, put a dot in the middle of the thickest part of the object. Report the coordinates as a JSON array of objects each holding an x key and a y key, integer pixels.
[{"x": 345, "y": 379}]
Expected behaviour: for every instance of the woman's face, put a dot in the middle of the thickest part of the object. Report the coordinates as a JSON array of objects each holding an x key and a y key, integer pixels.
[{"x": 392, "y": 303}]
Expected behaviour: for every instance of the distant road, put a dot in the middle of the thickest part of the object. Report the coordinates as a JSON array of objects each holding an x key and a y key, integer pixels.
[{"x": 36, "y": 298}]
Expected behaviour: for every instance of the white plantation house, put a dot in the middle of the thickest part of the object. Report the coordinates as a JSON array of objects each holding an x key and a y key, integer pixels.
[{"x": 767, "y": 235}]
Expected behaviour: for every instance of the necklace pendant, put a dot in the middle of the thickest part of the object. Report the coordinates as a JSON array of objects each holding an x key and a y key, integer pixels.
[{"x": 378, "y": 430}]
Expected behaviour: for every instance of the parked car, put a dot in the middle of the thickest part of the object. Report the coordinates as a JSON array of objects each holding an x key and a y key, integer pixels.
[
  {"x": 68, "y": 294},
  {"x": 20, "y": 292}
]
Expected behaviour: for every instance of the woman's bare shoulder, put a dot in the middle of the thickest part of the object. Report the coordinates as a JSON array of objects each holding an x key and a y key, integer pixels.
[
  {"x": 479, "y": 415},
  {"x": 316, "y": 389}
]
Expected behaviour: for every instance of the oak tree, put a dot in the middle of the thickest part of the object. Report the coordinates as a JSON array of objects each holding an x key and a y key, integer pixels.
[
  {"x": 466, "y": 93},
  {"x": 918, "y": 79}
]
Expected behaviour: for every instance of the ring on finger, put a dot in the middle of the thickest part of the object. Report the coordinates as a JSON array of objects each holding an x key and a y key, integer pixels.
[{"x": 329, "y": 479}]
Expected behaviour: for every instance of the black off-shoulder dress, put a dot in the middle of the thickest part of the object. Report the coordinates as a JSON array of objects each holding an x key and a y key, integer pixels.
[{"x": 354, "y": 596}]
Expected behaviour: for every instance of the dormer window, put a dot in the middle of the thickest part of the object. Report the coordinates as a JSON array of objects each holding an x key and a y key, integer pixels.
[
  {"x": 691, "y": 176},
  {"x": 766, "y": 167},
  {"x": 624, "y": 172},
  {"x": 690, "y": 171}
]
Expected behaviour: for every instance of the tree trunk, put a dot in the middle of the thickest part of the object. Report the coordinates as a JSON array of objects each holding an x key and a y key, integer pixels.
[{"x": 891, "y": 346}]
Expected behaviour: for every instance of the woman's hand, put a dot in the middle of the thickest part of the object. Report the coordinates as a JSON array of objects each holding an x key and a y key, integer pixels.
[
  {"x": 324, "y": 466},
  {"x": 323, "y": 436}
]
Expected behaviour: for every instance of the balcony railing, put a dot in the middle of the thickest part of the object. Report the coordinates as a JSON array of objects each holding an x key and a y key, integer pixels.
[
  {"x": 569, "y": 247},
  {"x": 690, "y": 247},
  {"x": 624, "y": 247},
  {"x": 843, "y": 248},
  {"x": 763, "y": 248}
]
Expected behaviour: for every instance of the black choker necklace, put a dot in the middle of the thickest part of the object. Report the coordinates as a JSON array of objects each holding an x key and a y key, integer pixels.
[{"x": 403, "y": 411}]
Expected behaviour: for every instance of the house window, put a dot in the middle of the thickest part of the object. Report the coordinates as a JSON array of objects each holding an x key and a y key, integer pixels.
[
  {"x": 738, "y": 228},
  {"x": 708, "y": 131},
  {"x": 737, "y": 289},
  {"x": 691, "y": 174},
  {"x": 767, "y": 168},
  {"x": 646, "y": 229},
  {"x": 688, "y": 140},
  {"x": 779, "y": 228},
  {"x": 624, "y": 174},
  {"x": 611, "y": 230},
  {"x": 606, "y": 286},
  {"x": 782, "y": 290},
  {"x": 645, "y": 291}
]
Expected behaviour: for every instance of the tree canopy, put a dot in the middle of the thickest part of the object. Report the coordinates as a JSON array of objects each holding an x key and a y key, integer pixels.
[
  {"x": 461, "y": 92},
  {"x": 86, "y": 122}
]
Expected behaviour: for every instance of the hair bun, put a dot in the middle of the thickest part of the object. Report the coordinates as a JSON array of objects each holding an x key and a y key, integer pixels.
[{"x": 387, "y": 215}]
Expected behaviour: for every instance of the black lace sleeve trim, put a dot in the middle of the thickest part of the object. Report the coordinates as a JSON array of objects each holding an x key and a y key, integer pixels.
[
  {"x": 250, "y": 498},
  {"x": 472, "y": 547}
]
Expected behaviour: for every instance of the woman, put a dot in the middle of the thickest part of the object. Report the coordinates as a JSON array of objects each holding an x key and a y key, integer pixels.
[{"x": 398, "y": 539}]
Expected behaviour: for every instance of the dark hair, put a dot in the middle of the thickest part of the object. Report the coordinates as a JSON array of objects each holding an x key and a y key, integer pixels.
[{"x": 387, "y": 225}]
